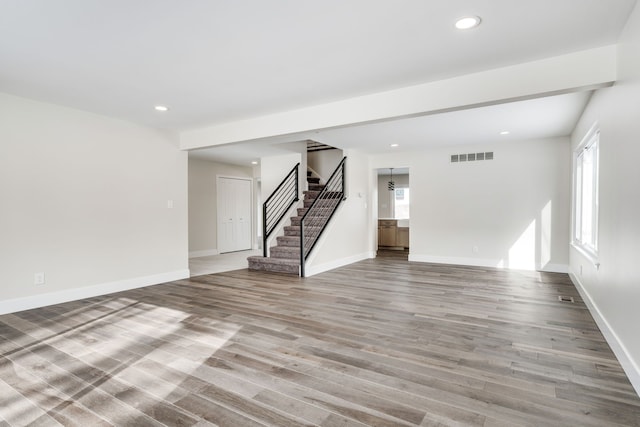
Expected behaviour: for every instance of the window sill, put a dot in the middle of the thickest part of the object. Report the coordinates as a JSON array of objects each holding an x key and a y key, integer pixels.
[{"x": 590, "y": 256}]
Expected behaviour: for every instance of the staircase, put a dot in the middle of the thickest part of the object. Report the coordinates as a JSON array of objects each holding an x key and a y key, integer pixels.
[{"x": 285, "y": 256}]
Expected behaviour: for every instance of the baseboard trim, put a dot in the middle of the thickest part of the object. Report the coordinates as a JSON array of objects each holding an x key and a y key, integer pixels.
[
  {"x": 617, "y": 346},
  {"x": 555, "y": 268},
  {"x": 475, "y": 262},
  {"x": 480, "y": 262},
  {"x": 206, "y": 252},
  {"x": 51, "y": 298},
  {"x": 321, "y": 268}
]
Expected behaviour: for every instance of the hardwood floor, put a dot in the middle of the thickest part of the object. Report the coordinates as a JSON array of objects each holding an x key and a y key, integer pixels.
[
  {"x": 397, "y": 254},
  {"x": 381, "y": 342}
]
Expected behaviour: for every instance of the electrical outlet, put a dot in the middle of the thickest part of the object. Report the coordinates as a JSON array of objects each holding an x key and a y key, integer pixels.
[
  {"x": 475, "y": 249},
  {"x": 169, "y": 204},
  {"x": 38, "y": 279}
]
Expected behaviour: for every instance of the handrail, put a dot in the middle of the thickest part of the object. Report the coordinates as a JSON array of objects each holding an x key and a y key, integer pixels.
[
  {"x": 278, "y": 204},
  {"x": 321, "y": 211}
]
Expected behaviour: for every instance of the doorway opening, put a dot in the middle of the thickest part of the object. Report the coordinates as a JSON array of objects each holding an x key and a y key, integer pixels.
[{"x": 394, "y": 212}]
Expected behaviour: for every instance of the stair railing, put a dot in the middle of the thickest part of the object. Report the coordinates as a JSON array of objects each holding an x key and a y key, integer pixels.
[
  {"x": 275, "y": 208},
  {"x": 315, "y": 220}
]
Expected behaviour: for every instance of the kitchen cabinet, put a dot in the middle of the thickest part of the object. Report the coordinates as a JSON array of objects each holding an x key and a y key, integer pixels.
[
  {"x": 390, "y": 235},
  {"x": 402, "y": 237},
  {"x": 387, "y": 230}
]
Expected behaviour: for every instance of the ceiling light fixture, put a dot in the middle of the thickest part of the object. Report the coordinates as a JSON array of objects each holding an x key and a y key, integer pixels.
[
  {"x": 467, "y": 22},
  {"x": 391, "y": 185},
  {"x": 161, "y": 108},
  {"x": 504, "y": 132},
  {"x": 394, "y": 145},
  {"x": 254, "y": 162}
]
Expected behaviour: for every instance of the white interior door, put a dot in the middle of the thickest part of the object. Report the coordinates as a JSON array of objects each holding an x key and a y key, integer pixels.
[
  {"x": 242, "y": 226},
  {"x": 234, "y": 214}
]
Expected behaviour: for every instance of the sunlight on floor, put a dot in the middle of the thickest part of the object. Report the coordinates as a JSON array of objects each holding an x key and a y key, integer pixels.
[{"x": 124, "y": 345}]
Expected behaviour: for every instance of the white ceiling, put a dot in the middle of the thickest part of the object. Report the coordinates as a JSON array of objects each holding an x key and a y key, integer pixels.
[
  {"x": 217, "y": 60},
  {"x": 531, "y": 119}
]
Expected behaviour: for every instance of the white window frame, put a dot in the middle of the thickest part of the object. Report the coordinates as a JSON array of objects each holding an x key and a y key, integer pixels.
[{"x": 590, "y": 144}]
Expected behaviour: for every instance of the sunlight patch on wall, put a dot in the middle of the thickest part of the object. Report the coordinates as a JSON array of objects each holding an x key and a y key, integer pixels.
[
  {"x": 545, "y": 234},
  {"x": 522, "y": 255}
]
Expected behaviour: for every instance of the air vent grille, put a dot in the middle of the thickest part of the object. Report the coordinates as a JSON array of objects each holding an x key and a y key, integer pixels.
[{"x": 471, "y": 157}]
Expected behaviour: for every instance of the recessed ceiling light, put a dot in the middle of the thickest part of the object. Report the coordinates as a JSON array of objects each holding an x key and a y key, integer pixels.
[
  {"x": 504, "y": 132},
  {"x": 161, "y": 108},
  {"x": 254, "y": 162},
  {"x": 394, "y": 145},
  {"x": 467, "y": 22}
]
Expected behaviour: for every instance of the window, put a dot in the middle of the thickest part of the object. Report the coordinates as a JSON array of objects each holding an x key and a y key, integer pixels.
[
  {"x": 585, "y": 232},
  {"x": 401, "y": 203}
]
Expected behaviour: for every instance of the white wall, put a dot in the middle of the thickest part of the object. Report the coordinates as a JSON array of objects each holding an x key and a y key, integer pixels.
[
  {"x": 324, "y": 162},
  {"x": 348, "y": 237},
  {"x": 514, "y": 209},
  {"x": 614, "y": 290},
  {"x": 203, "y": 207},
  {"x": 274, "y": 169},
  {"x": 85, "y": 200}
]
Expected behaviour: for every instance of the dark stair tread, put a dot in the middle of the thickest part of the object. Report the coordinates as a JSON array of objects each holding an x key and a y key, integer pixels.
[
  {"x": 286, "y": 252},
  {"x": 302, "y": 211},
  {"x": 285, "y": 249},
  {"x": 274, "y": 265},
  {"x": 296, "y": 231},
  {"x": 293, "y": 241},
  {"x": 269, "y": 260}
]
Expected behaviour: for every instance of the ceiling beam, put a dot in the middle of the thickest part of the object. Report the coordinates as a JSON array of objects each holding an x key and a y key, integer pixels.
[{"x": 582, "y": 70}]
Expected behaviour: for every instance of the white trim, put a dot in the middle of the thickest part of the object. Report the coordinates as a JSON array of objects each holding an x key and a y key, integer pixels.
[
  {"x": 206, "y": 252},
  {"x": 619, "y": 349},
  {"x": 476, "y": 262},
  {"x": 51, "y": 298},
  {"x": 588, "y": 255},
  {"x": 592, "y": 137},
  {"x": 480, "y": 262},
  {"x": 555, "y": 268},
  {"x": 317, "y": 269}
]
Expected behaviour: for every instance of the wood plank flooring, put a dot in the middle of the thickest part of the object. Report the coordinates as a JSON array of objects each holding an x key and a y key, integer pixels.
[{"x": 382, "y": 342}]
